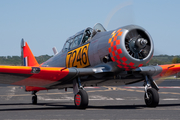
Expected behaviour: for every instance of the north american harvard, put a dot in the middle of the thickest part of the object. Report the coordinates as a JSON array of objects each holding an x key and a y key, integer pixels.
[{"x": 93, "y": 57}]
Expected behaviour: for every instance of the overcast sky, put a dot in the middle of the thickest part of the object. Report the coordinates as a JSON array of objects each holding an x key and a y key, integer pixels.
[{"x": 48, "y": 23}]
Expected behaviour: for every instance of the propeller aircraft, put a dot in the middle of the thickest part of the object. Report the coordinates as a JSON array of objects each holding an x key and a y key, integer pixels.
[{"x": 93, "y": 57}]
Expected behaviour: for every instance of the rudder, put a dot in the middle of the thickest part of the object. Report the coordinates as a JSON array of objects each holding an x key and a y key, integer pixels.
[{"x": 28, "y": 58}]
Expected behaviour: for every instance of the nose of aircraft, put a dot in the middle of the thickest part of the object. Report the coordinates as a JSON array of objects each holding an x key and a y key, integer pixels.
[{"x": 130, "y": 47}]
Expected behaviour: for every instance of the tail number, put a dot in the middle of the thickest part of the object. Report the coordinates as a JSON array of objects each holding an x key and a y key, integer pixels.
[{"x": 78, "y": 57}]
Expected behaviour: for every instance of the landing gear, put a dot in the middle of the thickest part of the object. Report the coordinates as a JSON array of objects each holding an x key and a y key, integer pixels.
[
  {"x": 34, "y": 97},
  {"x": 80, "y": 95},
  {"x": 151, "y": 96},
  {"x": 81, "y": 99}
]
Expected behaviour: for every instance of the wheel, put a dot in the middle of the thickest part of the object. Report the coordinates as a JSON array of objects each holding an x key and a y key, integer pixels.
[
  {"x": 34, "y": 99},
  {"x": 153, "y": 100},
  {"x": 81, "y": 99}
]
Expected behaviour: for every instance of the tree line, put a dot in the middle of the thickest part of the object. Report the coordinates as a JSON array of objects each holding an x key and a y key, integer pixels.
[
  {"x": 16, "y": 60},
  {"x": 164, "y": 59},
  {"x": 157, "y": 59}
]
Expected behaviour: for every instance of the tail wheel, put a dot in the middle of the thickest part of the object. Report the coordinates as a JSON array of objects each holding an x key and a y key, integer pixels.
[
  {"x": 153, "y": 99},
  {"x": 81, "y": 99},
  {"x": 34, "y": 99}
]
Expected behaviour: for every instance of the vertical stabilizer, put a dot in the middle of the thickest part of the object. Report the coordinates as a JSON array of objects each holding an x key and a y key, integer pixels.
[{"x": 28, "y": 58}]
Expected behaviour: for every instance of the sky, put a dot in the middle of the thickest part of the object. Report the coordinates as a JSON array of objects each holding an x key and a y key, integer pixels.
[{"x": 48, "y": 23}]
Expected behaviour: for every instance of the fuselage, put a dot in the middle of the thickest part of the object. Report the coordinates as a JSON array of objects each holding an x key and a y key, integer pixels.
[
  {"x": 88, "y": 54},
  {"x": 117, "y": 49}
]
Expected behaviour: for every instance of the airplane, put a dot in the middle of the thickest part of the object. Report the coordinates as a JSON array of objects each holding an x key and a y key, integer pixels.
[{"x": 93, "y": 57}]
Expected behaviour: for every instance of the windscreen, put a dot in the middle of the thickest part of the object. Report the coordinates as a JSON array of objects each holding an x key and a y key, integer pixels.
[{"x": 98, "y": 27}]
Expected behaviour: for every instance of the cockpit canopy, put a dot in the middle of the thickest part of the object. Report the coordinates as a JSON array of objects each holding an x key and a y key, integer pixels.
[{"x": 82, "y": 37}]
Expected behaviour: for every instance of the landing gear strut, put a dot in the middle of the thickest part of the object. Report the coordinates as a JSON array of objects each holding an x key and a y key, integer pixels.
[
  {"x": 34, "y": 97},
  {"x": 80, "y": 95},
  {"x": 151, "y": 96}
]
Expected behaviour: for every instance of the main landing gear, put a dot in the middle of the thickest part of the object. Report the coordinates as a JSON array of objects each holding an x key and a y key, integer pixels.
[
  {"x": 80, "y": 95},
  {"x": 34, "y": 97},
  {"x": 151, "y": 96}
]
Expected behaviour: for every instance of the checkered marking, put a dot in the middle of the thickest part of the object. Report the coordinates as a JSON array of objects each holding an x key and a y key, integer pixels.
[{"x": 122, "y": 62}]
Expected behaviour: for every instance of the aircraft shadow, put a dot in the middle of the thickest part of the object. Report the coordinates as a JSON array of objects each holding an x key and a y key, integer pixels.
[{"x": 58, "y": 106}]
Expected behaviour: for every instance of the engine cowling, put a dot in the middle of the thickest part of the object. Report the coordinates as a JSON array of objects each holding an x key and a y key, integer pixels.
[{"x": 131, "y": 47}]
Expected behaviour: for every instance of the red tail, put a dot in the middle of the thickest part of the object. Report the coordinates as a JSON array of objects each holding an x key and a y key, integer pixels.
[{"x": 28, "y": 57}]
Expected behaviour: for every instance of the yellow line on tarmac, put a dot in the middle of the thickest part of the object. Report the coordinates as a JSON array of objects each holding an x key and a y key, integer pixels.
[
  {"x": 174, "y": 93},
  {"x": 139, "y": 90}
]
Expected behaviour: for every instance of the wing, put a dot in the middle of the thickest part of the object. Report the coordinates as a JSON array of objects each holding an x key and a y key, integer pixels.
[
  {"x": 31, "y": 76},
  {"x": 42, "y": 78},
  {"x": 159, "y": 70}
]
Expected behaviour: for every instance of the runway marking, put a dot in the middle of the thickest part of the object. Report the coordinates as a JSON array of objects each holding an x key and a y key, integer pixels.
[
  {"x": 55, "y": 93},
  {"x": 98, "y": 97},
  {"x": 139, "y": 90},
  {"x": 91, "y": 87},
  {"x": 128, "y": 89},
  {"x": 134, "y": 87},
  {"x": 12, "y": 92},
  {"x": 37, "y": 94},
  {"x": 51, "y": 99},
  {"x": 119, "y": 98},
  {"x": 171, "y": 99}
]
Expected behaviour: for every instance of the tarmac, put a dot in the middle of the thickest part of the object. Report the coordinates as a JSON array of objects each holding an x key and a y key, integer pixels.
[{"x": 105, "y": 103}]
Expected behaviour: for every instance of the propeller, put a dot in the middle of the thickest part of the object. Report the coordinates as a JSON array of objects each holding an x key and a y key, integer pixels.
[
  {"x": 137, "y": 44},
  {"x": 126, "y": 15}
]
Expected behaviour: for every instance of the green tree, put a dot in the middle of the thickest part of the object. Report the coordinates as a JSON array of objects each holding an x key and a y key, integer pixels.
[{"x": 176, "y": 60}]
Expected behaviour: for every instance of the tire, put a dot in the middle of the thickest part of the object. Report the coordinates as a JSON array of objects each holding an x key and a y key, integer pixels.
[
  {"x": 34, "y": 99},
  {"x": 81, "y": 99},
  {"x": 153, "y": 100}
]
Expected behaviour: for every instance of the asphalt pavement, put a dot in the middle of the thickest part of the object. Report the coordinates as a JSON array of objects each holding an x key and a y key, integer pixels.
[{"x": 105, "y": 103}]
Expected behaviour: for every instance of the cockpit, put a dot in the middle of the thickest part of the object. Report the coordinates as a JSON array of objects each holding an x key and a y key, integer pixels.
[{"x": 82, "y": 37}]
